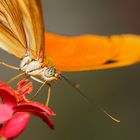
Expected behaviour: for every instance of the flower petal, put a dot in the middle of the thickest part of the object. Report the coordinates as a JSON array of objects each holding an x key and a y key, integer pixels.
[
  {"x": 7, "y": 95},
  {"x": 15, "y": 125},
  {"x": 34, "y": 106},
  {"x": 44, "y": 117},
  {"x": 6, "y": 113}
]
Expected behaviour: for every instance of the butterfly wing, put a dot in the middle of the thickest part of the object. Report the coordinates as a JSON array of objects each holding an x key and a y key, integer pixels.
[
  {"x": 33, "y": 26},
  {"x": 89, "y": 52},
  {"x": 12, "y": 36},
  {"x": 21, "y": 27}
]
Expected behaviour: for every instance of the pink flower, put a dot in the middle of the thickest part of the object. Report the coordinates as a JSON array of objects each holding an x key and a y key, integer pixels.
[
  {"x": 14, "y": 126},
  {"x": 15, "y": 110}
]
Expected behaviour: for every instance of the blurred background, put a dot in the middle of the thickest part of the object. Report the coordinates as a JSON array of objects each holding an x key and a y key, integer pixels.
[{"x": 116, "y": 90}]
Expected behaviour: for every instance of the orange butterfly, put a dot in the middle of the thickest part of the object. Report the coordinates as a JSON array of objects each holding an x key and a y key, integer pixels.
[
  {"x": 47, "y": 55},
  {"x": 22, "y": 34}
]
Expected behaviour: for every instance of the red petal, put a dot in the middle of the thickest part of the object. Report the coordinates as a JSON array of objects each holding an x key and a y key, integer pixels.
[
  {"x": 6, "y": 113},
  {"x": 44, "y": 117},
  {"x": 7, "y": 94},
  {"x": 34, "y": 106},
  {"x": 15, "y": 125}
]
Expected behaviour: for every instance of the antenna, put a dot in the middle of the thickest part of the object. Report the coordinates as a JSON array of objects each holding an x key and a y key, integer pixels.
[{"x": 76, "y": 86}]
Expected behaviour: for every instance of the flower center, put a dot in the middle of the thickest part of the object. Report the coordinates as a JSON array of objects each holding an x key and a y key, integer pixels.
[{"x": 23, "y": 89}]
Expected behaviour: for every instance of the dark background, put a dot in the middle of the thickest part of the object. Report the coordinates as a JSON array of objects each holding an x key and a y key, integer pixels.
[{"x": 116, "y": 90}]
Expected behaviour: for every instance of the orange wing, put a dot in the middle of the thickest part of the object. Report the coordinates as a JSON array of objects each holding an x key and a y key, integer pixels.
[{"x": 91, "y": 52}]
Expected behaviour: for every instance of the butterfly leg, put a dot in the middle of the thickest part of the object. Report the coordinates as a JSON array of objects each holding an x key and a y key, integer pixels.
[
  {"x": 9, "y": 66},
  {"x": 36, "y": 79},
  {"x": 49, "y": 95},
  {"x": 12, "y": 67},
  {"x": 14, "y": 78},
  {"x": 49, "y": 89}
]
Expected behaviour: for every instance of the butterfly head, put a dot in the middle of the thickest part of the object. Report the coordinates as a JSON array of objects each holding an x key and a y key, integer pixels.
[{"x": 50, "y": 74}]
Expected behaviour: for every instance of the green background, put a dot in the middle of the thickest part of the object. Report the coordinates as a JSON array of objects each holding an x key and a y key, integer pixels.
[{"x": 116, "y": 90}]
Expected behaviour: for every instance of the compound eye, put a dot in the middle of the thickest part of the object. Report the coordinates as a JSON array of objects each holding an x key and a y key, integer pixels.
[{"x": 50, "y": 71}]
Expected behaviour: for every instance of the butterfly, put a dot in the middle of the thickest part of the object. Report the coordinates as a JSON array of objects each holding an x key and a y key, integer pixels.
[{"x": 47, "y": 55}]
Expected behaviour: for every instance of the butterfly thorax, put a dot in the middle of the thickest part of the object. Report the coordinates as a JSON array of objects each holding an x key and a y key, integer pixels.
[{"x": 35, "y": 68}]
